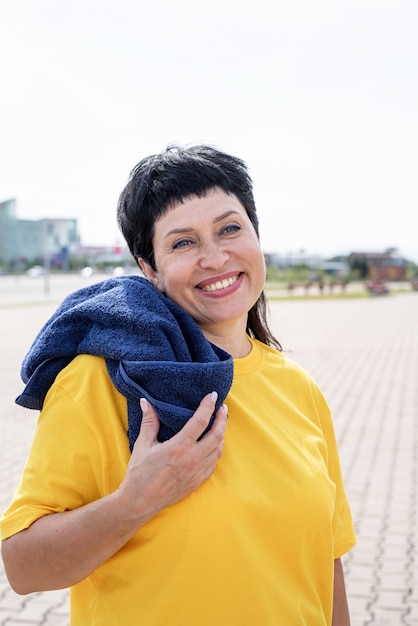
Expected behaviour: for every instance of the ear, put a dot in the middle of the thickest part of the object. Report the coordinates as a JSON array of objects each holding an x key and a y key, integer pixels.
[{"x": 149, "y": 272}]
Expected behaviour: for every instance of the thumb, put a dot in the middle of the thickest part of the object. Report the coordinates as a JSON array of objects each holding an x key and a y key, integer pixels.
[{"x": 150, "y": 423}]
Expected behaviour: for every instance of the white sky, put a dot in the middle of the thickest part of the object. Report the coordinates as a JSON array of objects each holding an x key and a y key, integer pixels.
[{"x": 320, "y": 98}]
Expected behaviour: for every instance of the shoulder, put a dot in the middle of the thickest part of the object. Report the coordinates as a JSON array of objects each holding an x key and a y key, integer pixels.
[
  {"x": 82, "y": 365},
  {"x": 290, "y": 377},
  {"x": 84, "y": 374},
  {"x": 274, "y": 359},
  {"x": 86, "y": 386}
]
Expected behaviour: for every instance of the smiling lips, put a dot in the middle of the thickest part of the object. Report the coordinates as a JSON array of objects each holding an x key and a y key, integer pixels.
[{"x": 220, "y": 284}]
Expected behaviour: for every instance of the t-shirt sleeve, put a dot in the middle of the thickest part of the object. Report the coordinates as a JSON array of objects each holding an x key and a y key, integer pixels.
[
  {"x": 342, "y": 523},
  {"x": 63, "y": 469}
]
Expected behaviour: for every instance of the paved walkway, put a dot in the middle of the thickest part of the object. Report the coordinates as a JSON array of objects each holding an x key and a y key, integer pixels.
[{"x": 364, "y": 354}]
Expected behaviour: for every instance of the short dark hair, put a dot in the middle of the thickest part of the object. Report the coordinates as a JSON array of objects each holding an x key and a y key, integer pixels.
[{"x": 161, "y": 181}]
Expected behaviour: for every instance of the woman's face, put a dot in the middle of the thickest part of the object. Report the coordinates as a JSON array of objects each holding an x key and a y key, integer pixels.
[{"x": 208, "y": 259}]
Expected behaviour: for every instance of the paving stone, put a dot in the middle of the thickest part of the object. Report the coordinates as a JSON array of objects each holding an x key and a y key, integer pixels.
[{"x": 364, "y": 355}]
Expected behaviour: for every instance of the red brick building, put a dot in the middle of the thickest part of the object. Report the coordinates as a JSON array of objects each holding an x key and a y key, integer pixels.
[{"x": 389, "y": 265}]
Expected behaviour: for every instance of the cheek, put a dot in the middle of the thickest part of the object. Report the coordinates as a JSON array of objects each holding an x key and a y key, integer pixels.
[
  {"x": 258, "y": 259},
  {"x": 259, "y": 265},
  {"x": 169, "y": 278}
]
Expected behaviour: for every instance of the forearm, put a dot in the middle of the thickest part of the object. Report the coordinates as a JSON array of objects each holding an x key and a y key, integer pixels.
[
  {"x": 61, "y": 549},
  {"x": 340, "y": 613}
]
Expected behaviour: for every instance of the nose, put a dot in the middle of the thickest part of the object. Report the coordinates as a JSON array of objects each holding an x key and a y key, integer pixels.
[{"x": 213, "y": 256}]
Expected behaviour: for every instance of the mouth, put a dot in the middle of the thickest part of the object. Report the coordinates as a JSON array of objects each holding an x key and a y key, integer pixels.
[{"x": 220, "y": 284}]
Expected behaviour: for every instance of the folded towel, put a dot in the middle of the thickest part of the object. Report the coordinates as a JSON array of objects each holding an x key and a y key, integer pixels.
[{"x": 152, "y": 348}]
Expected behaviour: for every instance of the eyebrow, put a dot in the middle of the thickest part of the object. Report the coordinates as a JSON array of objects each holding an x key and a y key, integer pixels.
[{"x": 177, "y": 231}]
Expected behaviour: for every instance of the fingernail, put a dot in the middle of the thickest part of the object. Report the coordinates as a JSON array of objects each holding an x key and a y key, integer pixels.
[
  {"x": 225, "y": 408},
  {"x": 143, "y": 402},
  {"x": 214, "y": 396}
]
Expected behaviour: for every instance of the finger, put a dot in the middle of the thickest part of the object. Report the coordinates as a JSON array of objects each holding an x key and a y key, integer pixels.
[
  {"x": 212, "y": 444},
  {"x": 200, "y": 419},
  {"x": 221, "y": 414},
  {"x": 150, "y": 423},
  {"x": 215, "y": 436}
]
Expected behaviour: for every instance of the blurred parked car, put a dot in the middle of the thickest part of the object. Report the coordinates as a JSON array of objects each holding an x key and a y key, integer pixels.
[
  {"x": 86, "y": 272},
  {"x": 36, "y": 271},
  {"x": 377, "y": 287}
]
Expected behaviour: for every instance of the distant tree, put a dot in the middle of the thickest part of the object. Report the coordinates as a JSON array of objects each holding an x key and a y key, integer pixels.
[{"x": 358, "y": 265}]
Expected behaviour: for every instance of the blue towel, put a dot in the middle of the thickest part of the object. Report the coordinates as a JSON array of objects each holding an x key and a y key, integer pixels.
[{"x": 151, "y": 346}]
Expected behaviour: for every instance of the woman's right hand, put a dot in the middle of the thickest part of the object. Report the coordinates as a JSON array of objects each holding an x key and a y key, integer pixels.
[{"x": 160, "y": 474}]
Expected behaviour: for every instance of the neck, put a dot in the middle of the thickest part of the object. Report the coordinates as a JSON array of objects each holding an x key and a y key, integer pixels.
[{"x": 233, "y": 341}]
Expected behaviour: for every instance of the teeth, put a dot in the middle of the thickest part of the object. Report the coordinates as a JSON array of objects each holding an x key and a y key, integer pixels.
[{"x": 221, "y": 284}]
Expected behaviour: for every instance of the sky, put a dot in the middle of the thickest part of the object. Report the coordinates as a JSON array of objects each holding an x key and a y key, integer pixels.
[{"x": 319, "y": 98}]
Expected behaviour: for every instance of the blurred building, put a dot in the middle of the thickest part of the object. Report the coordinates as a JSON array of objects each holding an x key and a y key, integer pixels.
[
  {"x": 24, "y": 242},
  {"x": 8, "y": 230},
  {"x": 302, "y": 259},
  {"x": 388, "y": 265}
]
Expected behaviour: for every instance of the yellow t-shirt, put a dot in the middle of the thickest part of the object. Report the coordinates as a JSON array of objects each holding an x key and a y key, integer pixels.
[{"x": 253, "y": 546}]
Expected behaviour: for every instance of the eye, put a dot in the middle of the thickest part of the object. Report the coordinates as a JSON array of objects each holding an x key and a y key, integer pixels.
[
  {"x": 182, "y": 243},
  {"x": 230, "y": 229}
]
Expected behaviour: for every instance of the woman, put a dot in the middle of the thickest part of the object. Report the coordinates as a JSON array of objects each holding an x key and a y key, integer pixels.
[{"x": 243, "y": 525}]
